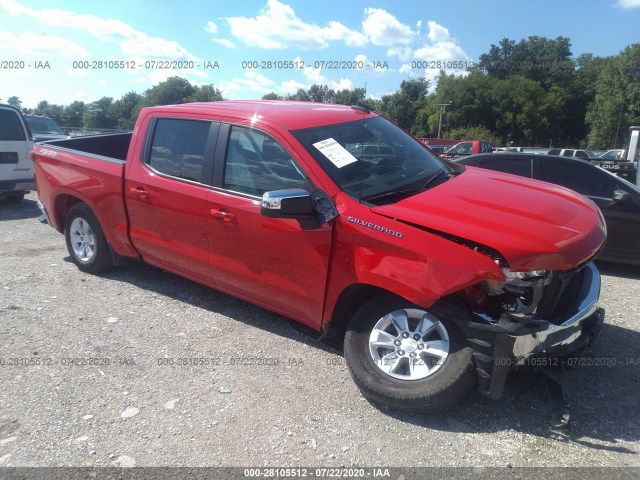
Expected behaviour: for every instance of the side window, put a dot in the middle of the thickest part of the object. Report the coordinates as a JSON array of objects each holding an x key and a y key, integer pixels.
[
  {"x": 11, "y": 129},
  {"x": 463, "y": 148},
  {"x": 516, "y": 166},
  {"x": 578, "y": 178},
  {"x": 567, "y": 153},
  {"x": 256, "y": 163},
  {"x": 178, "y": 148}
]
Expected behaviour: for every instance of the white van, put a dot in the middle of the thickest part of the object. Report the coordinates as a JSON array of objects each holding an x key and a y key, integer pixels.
[{"x": 16, "y": 168}]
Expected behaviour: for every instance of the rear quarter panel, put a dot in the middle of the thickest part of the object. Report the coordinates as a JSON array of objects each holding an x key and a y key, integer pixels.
[{"x": 64, "y": 178}]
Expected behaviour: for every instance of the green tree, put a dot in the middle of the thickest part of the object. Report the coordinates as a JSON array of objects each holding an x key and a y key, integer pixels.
[
  {"x": 272, "y": 96},
  {"x": 73, "y": 114},
  {"x": 124, "y": 110},
  {"x": 402, "y": 106},
  {"x": 174, "y": 90},
  {"x": 49, "y": 110},
  {"x": 205, "y": 93},
  {"x": 15, "y": 101},
  {"x": 617, "y": 100},
  {"x": 537, "y": 58},
  {"x": 349, "y": 97},
  {"x": 300, "y": 95},
  {"x": 99, "y": 114},
  {"x": 474, "y": 132},
  {"x": 320, "y": 93}
]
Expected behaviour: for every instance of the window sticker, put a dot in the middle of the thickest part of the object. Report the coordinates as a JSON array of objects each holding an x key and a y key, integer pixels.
[{"x": 336, "y": 153}]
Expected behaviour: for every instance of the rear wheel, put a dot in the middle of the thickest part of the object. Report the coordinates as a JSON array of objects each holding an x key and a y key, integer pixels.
[
  {"x": 408, "y": 357},
  {"x": 85, "y": 240}
]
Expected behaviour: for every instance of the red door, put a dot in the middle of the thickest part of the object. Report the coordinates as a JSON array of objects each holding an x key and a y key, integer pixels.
[
  {"x": 280, "y": 262},
  {"x": 167, "y": 197}
]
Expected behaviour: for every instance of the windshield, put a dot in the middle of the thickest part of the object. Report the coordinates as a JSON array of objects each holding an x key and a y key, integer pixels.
[
  {"x": 372, "y": 159},
  {"x": 43, "y": 125}
]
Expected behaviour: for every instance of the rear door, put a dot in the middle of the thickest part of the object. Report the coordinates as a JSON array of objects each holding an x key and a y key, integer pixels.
[
  {"x": 280, "y": 262},
  {"x": 167, "y": 192},
  {"x": 16, "y": 169}
]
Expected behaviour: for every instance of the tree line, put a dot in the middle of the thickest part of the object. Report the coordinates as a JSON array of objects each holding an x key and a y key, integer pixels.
[{"x": 531, "y": 92}]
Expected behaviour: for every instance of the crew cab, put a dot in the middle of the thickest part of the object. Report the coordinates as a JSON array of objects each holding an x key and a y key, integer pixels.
[{"x": 418, "y": 267}]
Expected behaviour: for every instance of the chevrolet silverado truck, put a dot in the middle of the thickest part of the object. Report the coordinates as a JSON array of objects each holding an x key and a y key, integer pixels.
[{"x": 433, "y": 277}]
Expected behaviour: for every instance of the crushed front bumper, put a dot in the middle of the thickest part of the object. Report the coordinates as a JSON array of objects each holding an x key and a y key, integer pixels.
[{"x": 502, "y": 346}]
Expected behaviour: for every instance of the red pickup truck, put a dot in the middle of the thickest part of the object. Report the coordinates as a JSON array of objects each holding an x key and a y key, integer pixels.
[{"x": 433, "y": 276}]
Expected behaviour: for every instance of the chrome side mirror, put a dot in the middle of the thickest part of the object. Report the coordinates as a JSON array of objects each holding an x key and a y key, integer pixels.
[{"x": 292, "y": 203}]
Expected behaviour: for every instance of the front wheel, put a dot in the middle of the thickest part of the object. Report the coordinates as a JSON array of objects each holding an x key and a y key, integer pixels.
[
  {"x": 408, "y": 357},
  {"x": 85, "y": 240}
]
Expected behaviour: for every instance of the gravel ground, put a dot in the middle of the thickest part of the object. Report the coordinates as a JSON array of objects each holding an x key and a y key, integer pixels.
[{"x": 134, "y": 408}]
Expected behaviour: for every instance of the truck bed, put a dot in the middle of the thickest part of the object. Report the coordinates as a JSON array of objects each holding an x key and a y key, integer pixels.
[{"x": 113, "y": 146}]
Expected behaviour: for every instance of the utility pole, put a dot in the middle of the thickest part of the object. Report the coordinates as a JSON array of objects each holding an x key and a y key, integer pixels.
[{"x": 443, "y": 107}]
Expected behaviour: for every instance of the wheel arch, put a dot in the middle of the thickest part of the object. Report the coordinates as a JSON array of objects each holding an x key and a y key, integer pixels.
[
  {"x": 62, "y": 204},
  {"x": 356, "y": 295}
]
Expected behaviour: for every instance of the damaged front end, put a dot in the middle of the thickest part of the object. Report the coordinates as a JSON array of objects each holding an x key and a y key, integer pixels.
[{"x": 529, "y": 318}]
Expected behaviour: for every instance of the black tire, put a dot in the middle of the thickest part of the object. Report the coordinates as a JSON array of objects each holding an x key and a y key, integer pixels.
[
  {"x": 450, "y": 380},
  {"x": 96, "y": 256},
  {"x": 14, "y": 197}
]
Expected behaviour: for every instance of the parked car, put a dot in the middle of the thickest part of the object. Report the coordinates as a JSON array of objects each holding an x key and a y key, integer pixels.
[
  {"x": 16, "y": 168},
  {"x": 618, "y": 199},
  {"x": 414, "y": 264},
  {"x": 468, "y": 147},
  {"x": 572, "y": 152},
  {"x": 615, "y": 154},
  {"x": 44, "y": 128}
]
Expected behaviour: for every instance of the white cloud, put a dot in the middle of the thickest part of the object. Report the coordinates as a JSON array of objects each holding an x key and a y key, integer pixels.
[
  {"x": 373, "y": 66},
  {"x": 382, "y": 28},
  {"x": 277, "y": 26},
  {"x": 290, "y": 87},
  {"x": 224, "y": 42},
  {"x": 249, "y": 82},
  {"x": 27, "y": 43},
  {"x": 131, "y": 41},
  {"x": 211, "y": 27},
  {"x": 403, "y": 53},
  {"x": 437, "y": 33},
  {"x": 440, "y": 52},
  {"x": 627, "y": 4}
]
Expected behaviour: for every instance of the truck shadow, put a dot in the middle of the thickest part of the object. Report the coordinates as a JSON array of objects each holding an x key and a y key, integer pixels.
[
  {"x": 23, "y": 210},
  {"x": 604, "y": 392},
  {"x": 178, "y": 288}
]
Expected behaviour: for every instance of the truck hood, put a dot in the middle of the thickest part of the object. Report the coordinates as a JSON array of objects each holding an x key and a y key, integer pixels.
[{"x": 534, "y": 225}]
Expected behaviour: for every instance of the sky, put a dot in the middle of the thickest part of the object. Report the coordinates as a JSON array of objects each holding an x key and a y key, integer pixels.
[{"x": 68, "y": 50}]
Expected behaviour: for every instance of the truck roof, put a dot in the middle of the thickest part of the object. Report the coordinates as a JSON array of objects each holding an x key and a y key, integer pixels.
[{"x": 292, "y": 115}]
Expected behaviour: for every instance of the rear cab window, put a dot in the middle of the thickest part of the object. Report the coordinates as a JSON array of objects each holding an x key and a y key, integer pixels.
[{"x": 179, "y": 149}]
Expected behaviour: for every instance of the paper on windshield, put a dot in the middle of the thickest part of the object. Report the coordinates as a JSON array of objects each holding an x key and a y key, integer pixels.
[{"x": 336, "y": 153}]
